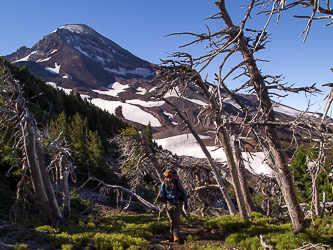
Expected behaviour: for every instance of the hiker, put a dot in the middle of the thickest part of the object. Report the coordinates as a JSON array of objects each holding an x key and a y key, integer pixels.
[{"x": 173, "y": 193}]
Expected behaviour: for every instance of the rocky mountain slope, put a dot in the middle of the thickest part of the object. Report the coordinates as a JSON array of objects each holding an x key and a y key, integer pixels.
[{"x": 76, "y": 58}]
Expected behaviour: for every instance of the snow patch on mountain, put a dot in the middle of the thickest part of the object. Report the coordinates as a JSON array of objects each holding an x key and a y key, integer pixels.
[
  {"x": 141, "y": 91},
  {"x": 170, "y": 117},
  {"x": 138, "y": 71},
  {"x": 54, "y": 70},
  {"x": 54, "y": 85},
  {"x": 26, "y": 58},
  {"x": 116, "y": 89},
  {"x": 198, "y": 102},
  {"x": 43, "y": 60},
  {"x": 186, "y": 144},
  {"x": 147, "y": 104},
  {"x": 176, "y": 93},
  {"x": 80, "y": 50},
  {"x": 130, "y": 112},
  {"x": 232, "y": 102},
  {"x": 277, "y": 107},
  {"x": 76, "y": 28},
  {"x": 167, "y": 114},
  {"x": 85, "y": 96},
  {"x": 152, "y": 89}
]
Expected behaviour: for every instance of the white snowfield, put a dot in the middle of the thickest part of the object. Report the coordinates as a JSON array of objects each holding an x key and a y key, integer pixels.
[
  {"x": 176, "y": 93},
  {"x": 25, "y": 58},
  {"x": 114, "y": 90},
  {"x": 187, "y": 145},
  {"x": 290, "y": 111},
  {"x": 141, "y": 91},
  {"x": 54, "y": 70},
  {"x": 137, "y": 71},
  {"x": 130, "y": 112},
  {"x": 54, "y": 85},
  {"x": 180, "y": 145},
  {"x": 73, "y": 28},
  {"x": 146, "y": 104}
]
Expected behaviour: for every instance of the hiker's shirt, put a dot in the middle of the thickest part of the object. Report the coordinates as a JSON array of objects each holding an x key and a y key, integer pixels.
[{"x": 173, "y": 192}]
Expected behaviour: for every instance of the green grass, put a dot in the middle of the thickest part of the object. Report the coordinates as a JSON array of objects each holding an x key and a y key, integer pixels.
[
  {"x": 130, "y": 231},
  {"x": 246, "y": 234},
  {"x": 121, "y": 231}
]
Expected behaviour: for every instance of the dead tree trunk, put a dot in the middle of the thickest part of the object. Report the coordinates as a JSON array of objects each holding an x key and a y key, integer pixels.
[
  {"x": 110, "y": 187},
  {"x": 27, "y": 138},
  {"x": 45, "y": 197},
  {"x": 152, "y": 157},
  {"x": 47, "y": 184},
  {"x": 213, "y": 166},
  {"x": 250, "y": 207},
  {"x": 287, "y": 184},
  {"x": 313, "y": 170},
  {"x": 65, "y": 169},
  {"x": 225, "y": 140}
]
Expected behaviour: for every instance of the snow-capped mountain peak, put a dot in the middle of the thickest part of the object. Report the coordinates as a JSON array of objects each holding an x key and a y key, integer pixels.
[
  {"x": 81, "y": 58},
  {"x": 78, "y": 28}
]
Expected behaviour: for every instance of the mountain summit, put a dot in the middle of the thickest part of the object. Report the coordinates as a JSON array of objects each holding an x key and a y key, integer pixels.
[{"x": 75, "y": 56}]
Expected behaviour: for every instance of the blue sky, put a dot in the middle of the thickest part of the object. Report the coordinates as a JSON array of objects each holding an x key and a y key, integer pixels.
[{"x": 141, "y": 26}]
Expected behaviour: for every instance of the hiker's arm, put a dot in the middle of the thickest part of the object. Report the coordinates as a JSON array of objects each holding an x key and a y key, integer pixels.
[
  {"x": 182, "y": 190},
  {"x": 163, "y": 193}
]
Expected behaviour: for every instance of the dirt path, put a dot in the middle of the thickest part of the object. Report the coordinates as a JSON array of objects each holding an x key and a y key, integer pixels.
[{"x": 194, "y": 230}]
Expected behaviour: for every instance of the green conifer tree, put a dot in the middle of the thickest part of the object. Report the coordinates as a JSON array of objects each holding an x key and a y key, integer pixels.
[
  {"x": 301, "y": 177},
  {"x": 148, "y": 133}
]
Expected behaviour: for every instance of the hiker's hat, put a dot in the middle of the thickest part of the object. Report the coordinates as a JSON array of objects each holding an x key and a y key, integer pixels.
[{"x": 168, "y": 173}]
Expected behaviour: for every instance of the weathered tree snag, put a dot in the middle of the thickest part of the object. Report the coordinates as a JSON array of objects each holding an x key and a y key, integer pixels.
[
  {"x": 287, "y": 184},
  {"x": 250, "y": 207},
  {"x": 48, "y": 185},
  {"x": 148, "y": 204},
  {"x": 264, "y": 244},
  {"x": 50, "y": 214},
  {"x": 225, "y": 141},
  {"x": 66, "y": 203},
  {"x": 314, "y": 170},
  {"x": 202, "y": 193},
  {"x": 215, "y": 171},
  {"x": 152, "y": 157},
  {"x": 27, "y": 136}
]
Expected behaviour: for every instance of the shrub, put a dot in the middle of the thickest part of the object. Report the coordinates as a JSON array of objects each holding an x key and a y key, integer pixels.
[
  {"x": 91, "y": 225},
  {"x": 228, "y": 222},
  {"x": 81, "y": 239},
  {"x": 260, "y": 218},
  {"x": 117, "y": 241},
  {"x": 44, "y": 229},
  {"x": 21, "y": 246},
  {"x": 67, "y": 247}
]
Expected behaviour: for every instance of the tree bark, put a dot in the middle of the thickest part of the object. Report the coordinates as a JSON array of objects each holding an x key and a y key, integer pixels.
[
  {"x": 66, "y": 202},
  {"x": 287, "y": 184},
  {"x": 315, "y": 190},
  {"x": 249, "y": 204},
  {"x": 152, "y": 157},
  {"x": 40, "y": 179}
]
